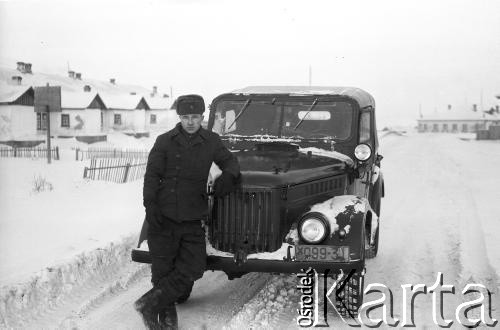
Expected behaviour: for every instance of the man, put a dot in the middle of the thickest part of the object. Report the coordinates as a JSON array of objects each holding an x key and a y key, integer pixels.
[{"x": 175, "y": 199}]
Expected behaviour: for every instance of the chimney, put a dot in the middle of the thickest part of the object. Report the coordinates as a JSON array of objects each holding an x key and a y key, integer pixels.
[
  {"x": 20, "y": 66},
  {"x": 27, "y": 68},
  {"x": 165, "y": 95},
  {"x": 16, "y": 80},
  {"x": 78, "y": 76},
  {"x": 497, "y": 109},
  {"x": 474, "y": 107},
  {"x": 87, "y": 88},
  {"x": 133, "y": 93},
  {"x": 113, "y": 81},
  {"x": 71, "y": 74},
  {"x": 155, "y": 90}
]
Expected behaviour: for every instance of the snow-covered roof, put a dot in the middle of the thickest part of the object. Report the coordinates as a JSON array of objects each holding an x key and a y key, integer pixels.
[
  {"x": 77, "y": 100},
  {"x": 10, "y": 93},
  {"x": 123, "y": 101},
  {"x": 69, "y": 84},
  {"x": 363, "y": 98},
  {"x": 158, "y": 102},
  {"x": 462, "y": 115}
]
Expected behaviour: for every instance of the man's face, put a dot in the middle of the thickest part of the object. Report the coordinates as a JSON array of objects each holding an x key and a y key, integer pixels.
[{"x": 191, "y": 123}]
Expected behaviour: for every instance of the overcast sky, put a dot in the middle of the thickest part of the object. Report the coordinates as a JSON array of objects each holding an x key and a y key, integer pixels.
[{"x": 406, "y": 53}]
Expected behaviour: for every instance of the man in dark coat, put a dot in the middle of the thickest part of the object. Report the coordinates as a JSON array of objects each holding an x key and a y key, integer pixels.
[{"x": 176, "y": 202}]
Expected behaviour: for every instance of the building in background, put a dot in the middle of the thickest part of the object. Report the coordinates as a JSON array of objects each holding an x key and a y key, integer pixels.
[
  {"x": 453, "y": 121},
  {"x": 89, "y": 107},
  {"x": 18, "y": 120}
]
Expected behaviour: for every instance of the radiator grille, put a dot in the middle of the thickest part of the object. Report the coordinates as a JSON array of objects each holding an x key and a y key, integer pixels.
[{"x": 248, "y": 219}]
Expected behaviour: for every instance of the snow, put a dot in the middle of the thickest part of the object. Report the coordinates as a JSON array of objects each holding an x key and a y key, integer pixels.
[
  {"x": 10, "y": 93},
  {"x": 336, "y": 205},
  {"x": 327, "y": 153},
  {"x": 440, "y": 214},
  {"x": 77, "y": 100},
  {"x": 51, "y": 227}
]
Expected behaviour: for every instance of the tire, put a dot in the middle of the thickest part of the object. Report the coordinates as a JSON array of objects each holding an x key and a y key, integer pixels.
[
  {"x": 351, "y": 295},
  {"x": 371, "y": 250}
]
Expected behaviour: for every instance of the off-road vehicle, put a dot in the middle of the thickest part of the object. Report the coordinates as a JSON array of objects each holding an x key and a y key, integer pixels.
[{"x": 311, "y": 184}]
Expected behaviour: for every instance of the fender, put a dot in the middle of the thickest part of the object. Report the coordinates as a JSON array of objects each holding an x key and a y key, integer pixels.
[{"x": 349, "y": 213}]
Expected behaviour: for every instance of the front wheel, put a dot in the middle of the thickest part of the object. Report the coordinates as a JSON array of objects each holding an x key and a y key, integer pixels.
[
  {"x": 347, "y": 295},
  {"x": 350, "y": 295},
  {"x": 371, "y": 249}
]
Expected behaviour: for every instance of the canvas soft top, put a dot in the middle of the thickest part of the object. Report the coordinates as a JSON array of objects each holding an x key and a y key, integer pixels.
[{"x": 363, "y": 98}]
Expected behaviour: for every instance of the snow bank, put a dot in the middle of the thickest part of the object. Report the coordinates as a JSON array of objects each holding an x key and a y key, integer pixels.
[
  {"x": 48, "y": 288},
  {"x": 51, "y": 227},
  {"x": 278, "y": 297}
]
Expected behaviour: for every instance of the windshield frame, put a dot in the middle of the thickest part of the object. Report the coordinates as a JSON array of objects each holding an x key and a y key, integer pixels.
[{"x": 280, "y": 98}]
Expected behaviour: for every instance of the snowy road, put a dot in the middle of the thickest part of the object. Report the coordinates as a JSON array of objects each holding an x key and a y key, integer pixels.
[{"x": 440, "y": 214}]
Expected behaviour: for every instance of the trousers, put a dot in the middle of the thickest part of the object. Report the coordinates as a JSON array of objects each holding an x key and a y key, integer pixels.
[{"x": 178, "y": 253}]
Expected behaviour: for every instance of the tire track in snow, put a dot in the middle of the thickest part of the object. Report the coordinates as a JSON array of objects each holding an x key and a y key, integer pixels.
[
  {"x": 214, "y": 301},
  {"x": 419, "y": 229}
]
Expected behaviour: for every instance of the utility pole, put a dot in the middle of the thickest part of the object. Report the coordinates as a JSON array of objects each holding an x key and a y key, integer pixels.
[
  {"x": 47, "y": 111},
  {"x": 310, "y": 75},
  {"x": 171, "y": 94},
  {"x": 481, "y": 100},
  {"x": 47, "y": 99}
]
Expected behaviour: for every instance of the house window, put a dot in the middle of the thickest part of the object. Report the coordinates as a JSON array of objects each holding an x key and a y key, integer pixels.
[
  {"x": 454, "y": 127},
  {"x": 425, "y": 127},
  {"x": 445, "y": 128},
  {"x": 464, "y": 128},
  {"x": 435, "y": 128},
  {"x": 41, "y": 121},
  {"x": 152, "y": 119},
  {"x": 118, "y": 119},
  {"x": 64, "y": 120}
]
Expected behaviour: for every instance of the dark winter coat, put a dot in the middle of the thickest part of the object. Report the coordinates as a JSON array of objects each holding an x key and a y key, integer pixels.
[{"x": 177, "y": 172}]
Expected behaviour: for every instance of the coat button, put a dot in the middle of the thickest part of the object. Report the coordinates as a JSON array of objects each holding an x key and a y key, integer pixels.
[
  {"x": 172, "y": 190},
  {"x": 178, "y": 156},
  {"x": 177, "y": 167}
]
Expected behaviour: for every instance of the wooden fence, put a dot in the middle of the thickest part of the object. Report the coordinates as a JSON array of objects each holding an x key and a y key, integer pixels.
[
  {"x": 119, "y": 170},
  {"x": 25, "y": 152},
  {"x": 110, "y": 153}
]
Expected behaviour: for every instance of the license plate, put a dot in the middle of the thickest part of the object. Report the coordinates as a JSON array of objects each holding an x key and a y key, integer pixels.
[{"x": 321, "y": 253}]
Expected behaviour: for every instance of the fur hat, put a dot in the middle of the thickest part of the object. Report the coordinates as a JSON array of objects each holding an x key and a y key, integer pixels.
[{"x": 189, "y": 104}]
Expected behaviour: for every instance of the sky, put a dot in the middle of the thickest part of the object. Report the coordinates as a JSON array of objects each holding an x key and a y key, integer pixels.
[{"x": 409, "y": 55}]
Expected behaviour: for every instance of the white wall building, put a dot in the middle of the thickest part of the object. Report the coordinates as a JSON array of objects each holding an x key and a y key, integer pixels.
[
  {"x": 453, "y": 122},
  {"x": 17, "y": 114},
  {"x": 89, "y": 107}
]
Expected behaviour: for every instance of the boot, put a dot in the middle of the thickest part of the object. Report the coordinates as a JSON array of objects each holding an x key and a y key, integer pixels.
[
  {"x": 147, "y": 306},
  {"x": 182, "y": 299},
  {"x": 168, "y": 318}
]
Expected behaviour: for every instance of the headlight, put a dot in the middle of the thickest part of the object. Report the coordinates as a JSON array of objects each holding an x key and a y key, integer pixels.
[
  {"x": 313, "y": 228},
  {"x": 362, "y": 152}
]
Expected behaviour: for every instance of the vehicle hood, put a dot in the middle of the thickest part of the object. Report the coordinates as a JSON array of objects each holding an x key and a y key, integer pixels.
[{"x": 279, "y": 168}]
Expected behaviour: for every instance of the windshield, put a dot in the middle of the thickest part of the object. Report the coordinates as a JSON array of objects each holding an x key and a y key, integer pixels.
[{"x": 284, "y": 119}]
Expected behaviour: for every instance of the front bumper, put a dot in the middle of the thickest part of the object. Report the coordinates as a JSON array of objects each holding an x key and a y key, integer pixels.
[{"x": 262, "y": 265}]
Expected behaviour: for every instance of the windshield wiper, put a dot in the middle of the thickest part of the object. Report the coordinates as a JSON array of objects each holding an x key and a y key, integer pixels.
[
  {"x": 245, "y": 106},
  {"x": 309, "y": 110}
]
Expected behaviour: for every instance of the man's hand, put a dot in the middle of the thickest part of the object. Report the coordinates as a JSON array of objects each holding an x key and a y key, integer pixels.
[
  {"x": 225, "y": 184},
  {"x": 153, "y": 215}
]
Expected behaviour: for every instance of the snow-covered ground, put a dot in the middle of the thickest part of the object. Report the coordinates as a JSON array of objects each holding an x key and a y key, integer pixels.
[{"x": 440, "y": 214}]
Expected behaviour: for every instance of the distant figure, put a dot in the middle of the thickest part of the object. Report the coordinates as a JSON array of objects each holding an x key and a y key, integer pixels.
[{"x": 176, "y": 202}]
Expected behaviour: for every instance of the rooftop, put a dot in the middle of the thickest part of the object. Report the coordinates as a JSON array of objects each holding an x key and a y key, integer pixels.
[{"x": 363, "y": 98}]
